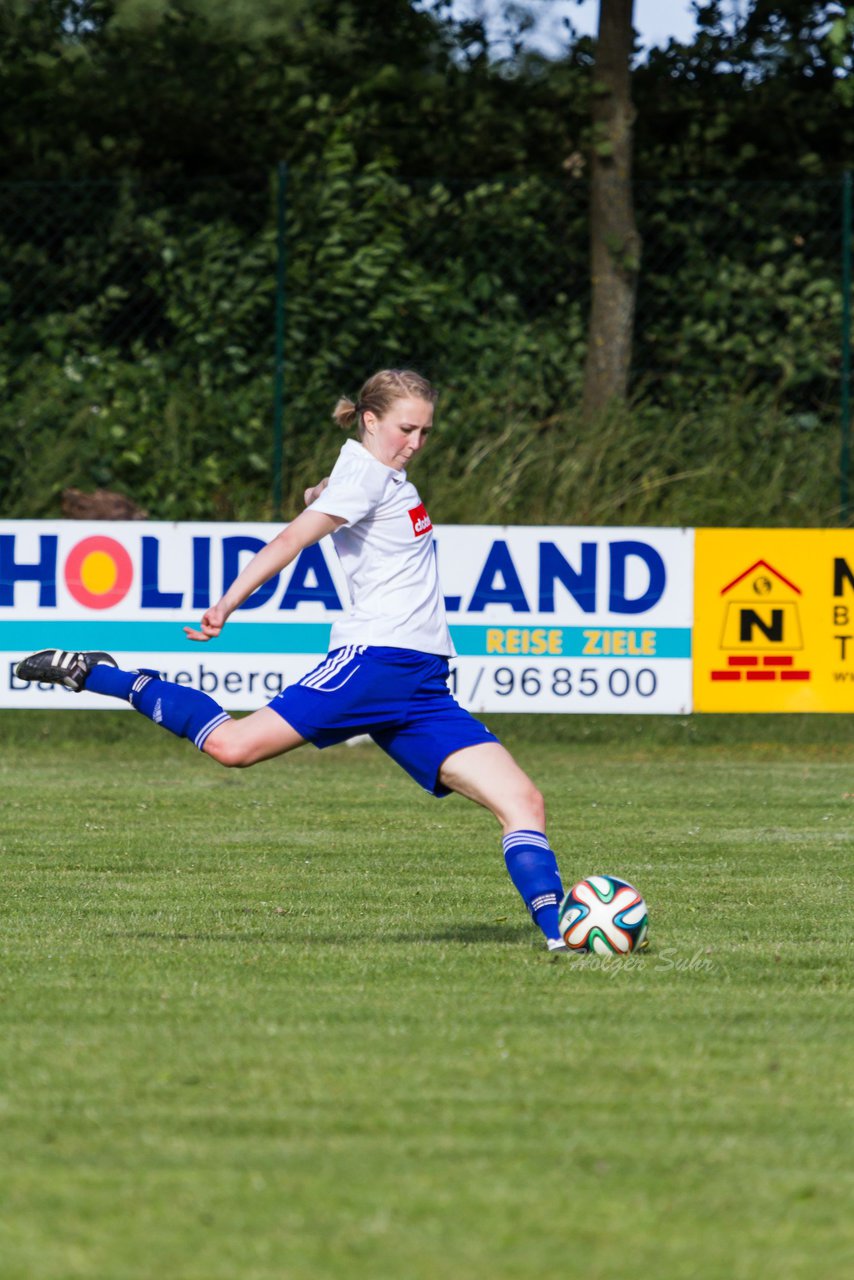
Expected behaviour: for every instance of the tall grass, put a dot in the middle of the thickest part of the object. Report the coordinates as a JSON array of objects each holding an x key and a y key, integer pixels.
[{"x": 734, "y": 464}]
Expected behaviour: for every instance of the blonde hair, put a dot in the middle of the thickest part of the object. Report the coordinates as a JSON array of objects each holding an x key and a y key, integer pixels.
[{"x": 378, "y": 395}]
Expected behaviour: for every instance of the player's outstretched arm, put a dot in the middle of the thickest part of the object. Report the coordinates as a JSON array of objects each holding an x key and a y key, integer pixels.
[{"x": 309, "y": 527}]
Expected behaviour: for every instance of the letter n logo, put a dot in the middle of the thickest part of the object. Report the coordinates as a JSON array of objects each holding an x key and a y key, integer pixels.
[
  {"x": 762, "y": 626},
  {"x": 772, "y": 629}
]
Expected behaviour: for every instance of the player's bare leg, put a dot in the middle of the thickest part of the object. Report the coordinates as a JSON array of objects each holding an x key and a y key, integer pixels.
[
  {"x": 259, "y": 736},
  {"x": 488, "y": 774}
]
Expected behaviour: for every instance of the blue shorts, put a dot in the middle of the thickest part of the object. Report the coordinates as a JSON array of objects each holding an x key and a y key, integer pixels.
[{"x": 398, "y": 696}]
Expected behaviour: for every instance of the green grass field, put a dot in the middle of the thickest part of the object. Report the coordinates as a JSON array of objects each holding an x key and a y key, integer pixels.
[{"x": 293, "y": 1023}]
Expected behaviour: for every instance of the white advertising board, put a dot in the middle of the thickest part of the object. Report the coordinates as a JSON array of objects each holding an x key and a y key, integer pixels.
[{"x": 544, "y": 619}]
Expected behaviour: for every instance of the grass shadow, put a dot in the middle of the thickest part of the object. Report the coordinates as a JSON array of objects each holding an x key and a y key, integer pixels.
[
  {"x": 467, "y": 934},
  {"x": 151, "y": 935}
]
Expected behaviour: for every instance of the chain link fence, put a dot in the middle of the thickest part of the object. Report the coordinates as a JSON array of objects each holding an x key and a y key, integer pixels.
[{"x": 212, "y": 324}]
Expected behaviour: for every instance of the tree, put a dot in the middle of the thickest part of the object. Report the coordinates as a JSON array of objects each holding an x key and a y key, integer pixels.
[
  {"x": 841, "y": 41},
  {"x": 615, "y": 244},
  {"x": 759, "y": 94}
]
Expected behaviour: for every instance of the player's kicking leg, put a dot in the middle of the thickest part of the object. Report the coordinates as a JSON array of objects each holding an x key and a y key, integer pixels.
[
  {"x": 186, "y": 712},
  {"x": 488, "y": 774}
]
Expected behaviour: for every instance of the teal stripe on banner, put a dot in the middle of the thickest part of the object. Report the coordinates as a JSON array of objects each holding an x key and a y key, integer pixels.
[
  {"x": 163, "y": 637},
  {"x": 313, "y": 637}
]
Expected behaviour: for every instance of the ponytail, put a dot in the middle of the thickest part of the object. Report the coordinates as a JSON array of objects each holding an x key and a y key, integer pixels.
[
  {"x": 378, "y": 395},
  {"x": 345, "y": 414}
]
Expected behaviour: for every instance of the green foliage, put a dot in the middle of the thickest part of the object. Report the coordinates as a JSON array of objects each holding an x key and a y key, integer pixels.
[
  {"x": 180, "y": 449},
  {"x": 144, "y": 359},
  {"x": 455, "y": 280},
  {"x": 756, "y": 269},
  {"x": 757, "y": 95},
  {"x": 436, "y": 216},
  {"x": 167, "y": 88},
  {"x": 840, "y": 40}
]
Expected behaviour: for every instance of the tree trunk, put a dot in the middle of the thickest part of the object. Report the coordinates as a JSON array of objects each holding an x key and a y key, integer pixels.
[{"x": 614, "y": 241}]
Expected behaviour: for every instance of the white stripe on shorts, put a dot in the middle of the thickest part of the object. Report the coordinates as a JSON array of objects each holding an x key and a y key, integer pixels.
[
  {"x": 328, "y": 669},
  {"x": 332, "y": 668}
]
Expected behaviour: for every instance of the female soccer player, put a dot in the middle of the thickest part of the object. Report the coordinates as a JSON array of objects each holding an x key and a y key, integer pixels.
[{"x": 387, "y": 668}]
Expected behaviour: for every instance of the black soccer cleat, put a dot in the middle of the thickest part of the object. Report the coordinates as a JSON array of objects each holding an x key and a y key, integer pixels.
[{"x": 60, "y": 666}]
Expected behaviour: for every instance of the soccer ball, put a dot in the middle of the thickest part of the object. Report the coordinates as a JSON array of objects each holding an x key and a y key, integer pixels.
[{"x": 605, "y": 915}]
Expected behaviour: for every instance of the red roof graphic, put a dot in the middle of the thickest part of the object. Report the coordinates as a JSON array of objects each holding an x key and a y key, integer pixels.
[{"x": 760, "y": 564}]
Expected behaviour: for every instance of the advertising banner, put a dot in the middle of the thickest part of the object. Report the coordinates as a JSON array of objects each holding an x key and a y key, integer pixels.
[
  {"x": 569, "y": 619},
  {"x": 774, "y": 620},
  {"x": 543, "y": 619}
]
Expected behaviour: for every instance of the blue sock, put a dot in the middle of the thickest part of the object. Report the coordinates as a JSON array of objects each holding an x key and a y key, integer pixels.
[
  {"x": 110, "y": 681},
  {"x": 186, "y": 712},
  {"x": 533, "y": 870}
]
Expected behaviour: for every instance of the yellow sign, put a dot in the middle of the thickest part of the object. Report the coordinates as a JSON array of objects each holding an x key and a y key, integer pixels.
[{"x": 774, "y": 620}]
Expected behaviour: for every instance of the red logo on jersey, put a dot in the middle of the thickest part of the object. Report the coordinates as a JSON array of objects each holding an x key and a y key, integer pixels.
[{"x": 420, "y": 520}]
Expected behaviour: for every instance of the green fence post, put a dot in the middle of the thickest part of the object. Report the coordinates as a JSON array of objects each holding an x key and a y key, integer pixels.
[
  {"x": 845, "y": 397},
  {"x": 279, "y": 375}
]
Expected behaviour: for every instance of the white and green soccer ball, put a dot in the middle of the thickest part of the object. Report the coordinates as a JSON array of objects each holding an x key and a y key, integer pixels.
[{"x": 605, "y": 915}]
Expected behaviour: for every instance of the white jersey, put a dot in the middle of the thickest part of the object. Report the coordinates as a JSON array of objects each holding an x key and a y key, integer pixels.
[{"x": 386, "y": 551}]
